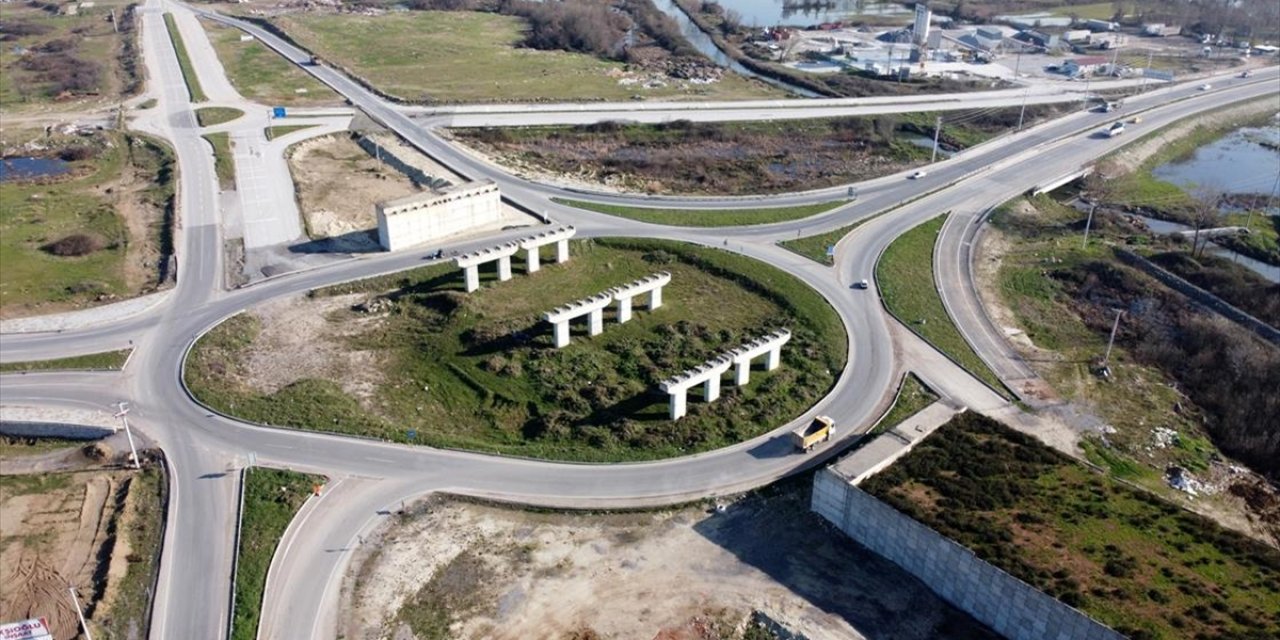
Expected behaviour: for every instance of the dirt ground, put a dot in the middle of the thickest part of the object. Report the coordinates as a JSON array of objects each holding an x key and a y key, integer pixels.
[
  {"x": 686, "y": 573},
  {"x": 298, "y": 341},
  {"x": 338, "y": 183},
  {"x": 70, "y": 527}
]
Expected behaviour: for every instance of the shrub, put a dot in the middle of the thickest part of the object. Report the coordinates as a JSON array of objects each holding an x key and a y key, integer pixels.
[{"x": 74, "y": 245}]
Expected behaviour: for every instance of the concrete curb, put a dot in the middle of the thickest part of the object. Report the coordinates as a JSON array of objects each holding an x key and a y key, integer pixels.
[{"x": 235, "y": 555}]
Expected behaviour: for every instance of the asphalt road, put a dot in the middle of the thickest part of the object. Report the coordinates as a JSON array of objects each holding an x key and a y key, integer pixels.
[{"x": 370, "y": 477}]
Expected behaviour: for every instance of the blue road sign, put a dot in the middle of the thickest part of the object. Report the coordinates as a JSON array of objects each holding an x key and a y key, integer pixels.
[
  {"x": 413, "y": 434},
  {"x": 278, "y": 112}
]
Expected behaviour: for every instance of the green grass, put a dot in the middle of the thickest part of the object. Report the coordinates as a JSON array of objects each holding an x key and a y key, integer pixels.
[
  {"x": 1095, "y": 11},
  {"x": 707, "y": 218},
  {"x": 11, "y": 447},
  {"x": 905, "y": 279},
  {"x": 285, "y": 129},
  {"x": 271, "y": 498},
  {"x": 260, "y": 74},
  {"x": 111, "y": 360},
  {"x": 1124, "y": 556},
  {"x": 477, "y": 371},
  {"x": 93, "y": 43},
  {"x": 913, "y": 396},
  {"x": 223, "y": 162},
  {"x": 1033, "y": 283},
  {"x": 815, "y": 247},
  {"x": 184, "y": 61},
  {"x": 212, "y": 116},
  {"x": 34, "y": 214},
  {"x": 456, "y": 56}
]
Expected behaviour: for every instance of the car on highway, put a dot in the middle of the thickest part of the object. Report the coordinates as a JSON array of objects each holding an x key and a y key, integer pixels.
[
  {"x": 861, "y": 284},
  {"x": 1246, "y": 73},
  {"x": 917, "y": 175},
  {"x": 1206, "y": 87}
]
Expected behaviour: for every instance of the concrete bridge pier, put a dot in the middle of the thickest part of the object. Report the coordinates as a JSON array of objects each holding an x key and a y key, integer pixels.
[
  {"x": 504, "y": 268},
  {"x": 592, "y": 308}
]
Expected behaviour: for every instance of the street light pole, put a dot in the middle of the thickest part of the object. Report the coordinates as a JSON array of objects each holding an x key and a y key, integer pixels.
[
  {"x": 1088, "y": 223},
  {"x": 124, "y": 417},
  {"x": 1023, "y": 112},
  {"x": 83, "y": 625},
  {"x": 937, "y": 128},
  {"x": 1112, "y": 340}
]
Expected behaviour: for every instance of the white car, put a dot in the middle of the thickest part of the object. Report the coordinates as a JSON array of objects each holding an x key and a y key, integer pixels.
[
  {"x": 861, "y": 284},
  {"x": 917, "y": 175},
  {"x": 1206, "y": 87}
]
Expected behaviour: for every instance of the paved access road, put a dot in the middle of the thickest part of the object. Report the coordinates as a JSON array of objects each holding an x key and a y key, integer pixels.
[{"x": 369, "y": 477}]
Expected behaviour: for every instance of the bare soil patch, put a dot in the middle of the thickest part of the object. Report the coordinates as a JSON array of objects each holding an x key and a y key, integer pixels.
[
  {"x": 686, "y": 573},
  {"x": 298, "y": 341},
  {"x": 338, "y": 184},
  {"x": 77, "y": 528}
]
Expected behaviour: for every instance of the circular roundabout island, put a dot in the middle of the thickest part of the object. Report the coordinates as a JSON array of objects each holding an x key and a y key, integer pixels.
[{"x": 413, "y": 357}]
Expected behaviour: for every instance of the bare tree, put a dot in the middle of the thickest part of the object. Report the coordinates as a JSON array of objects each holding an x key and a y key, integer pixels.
[{"x": 1204, "y": 214}]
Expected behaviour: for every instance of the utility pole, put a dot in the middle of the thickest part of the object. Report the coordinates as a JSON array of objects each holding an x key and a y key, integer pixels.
[
  {"x": 1088, "y": 223},
  {"x": 1023, "y": 112},
  {"x": 83, "y": 625},
  {"x": 1112, "y": 340},
  {"x": 937, "y": 129},
  {"x": 124, "y": 417}
]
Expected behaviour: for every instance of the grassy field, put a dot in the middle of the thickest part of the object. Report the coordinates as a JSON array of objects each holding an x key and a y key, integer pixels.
[
  {"x": 271, "y": 498},
  {"x": 85, "y": 61},
  {"x": 1124, "y": 556},
  {"x": 285, "y": 129},
  {"x": 212, "y": 116},
  {"x": 815, "y": 247},
  {"x": 184, "y": 61},
  {"x": 905, "y": 278},
  {"x": 735, "y": 158},
  {"x": 483, "y": 365},
  {"x": 111, "y": 360},
  {"x": 913, "y": 396},
  {"x": 707, "y": 218},
  {"x": 223, "y": 162},
  {"x": 117, "y": 193},
  {"x": 1137, "y": 397},
  {"x": 262, "y": 75},
  {"x": 456, "y": 56}
]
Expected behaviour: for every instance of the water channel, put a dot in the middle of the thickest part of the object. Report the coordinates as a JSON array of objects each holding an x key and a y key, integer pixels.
[
  {"x": 703, "y": 43},
  {"x": 1247, "y": 161},
  {"x": 800, "y": 13}
]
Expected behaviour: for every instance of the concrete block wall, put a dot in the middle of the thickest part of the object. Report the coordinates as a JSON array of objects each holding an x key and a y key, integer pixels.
[{"x": 1011, "y": 607}]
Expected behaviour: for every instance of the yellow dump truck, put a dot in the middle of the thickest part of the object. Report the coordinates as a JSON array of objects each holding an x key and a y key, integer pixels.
[{"x": 808, "y": 436}]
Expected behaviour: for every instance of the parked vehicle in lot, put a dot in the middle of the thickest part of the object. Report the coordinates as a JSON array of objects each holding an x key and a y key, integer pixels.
[
  {"x": 919, "y": 174},
  {"x": 808, "y": 436}
]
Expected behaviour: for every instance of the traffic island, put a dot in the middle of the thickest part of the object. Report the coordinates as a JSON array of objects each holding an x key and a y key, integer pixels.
[{"x": 412, "y": 357}]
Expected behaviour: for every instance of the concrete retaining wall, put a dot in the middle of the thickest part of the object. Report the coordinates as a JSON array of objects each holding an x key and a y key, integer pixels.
[
  {"x": 1011, "y": 607},
  {"x": 415, "y": 174},
  {"x": 53, "y": 430},
  {"x": 1204, "y": 298}
]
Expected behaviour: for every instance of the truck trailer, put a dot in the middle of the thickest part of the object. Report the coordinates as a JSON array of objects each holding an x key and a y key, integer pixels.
[{"x": 808, "y": 436}]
